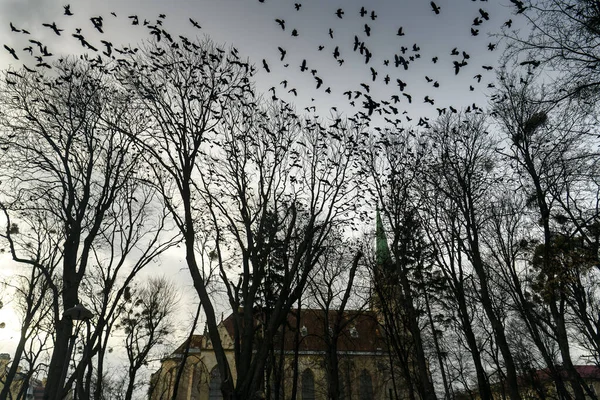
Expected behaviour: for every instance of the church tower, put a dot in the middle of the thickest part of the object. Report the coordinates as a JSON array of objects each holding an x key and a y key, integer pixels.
[{"x": 384, "y": 266}]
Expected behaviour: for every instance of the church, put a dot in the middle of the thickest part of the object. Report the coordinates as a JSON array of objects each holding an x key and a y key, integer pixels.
[
  {"x": 364, "y": 366},
  {"x": 302, "y": 352}
]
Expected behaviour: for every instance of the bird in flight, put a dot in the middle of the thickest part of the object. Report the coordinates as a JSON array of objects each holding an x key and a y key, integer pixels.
[
  {"x": 11, "y": 51},
  {"x": 435, "y": 8}
]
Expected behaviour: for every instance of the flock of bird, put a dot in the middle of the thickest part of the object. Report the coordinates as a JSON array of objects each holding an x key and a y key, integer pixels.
[{"x": 386, "y": 69}]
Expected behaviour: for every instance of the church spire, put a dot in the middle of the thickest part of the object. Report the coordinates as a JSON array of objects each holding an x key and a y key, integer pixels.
[{"x": 383, "y": 257}]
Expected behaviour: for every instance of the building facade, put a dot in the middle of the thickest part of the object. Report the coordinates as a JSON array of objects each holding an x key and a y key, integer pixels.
[{"x": 364, "y": 369}]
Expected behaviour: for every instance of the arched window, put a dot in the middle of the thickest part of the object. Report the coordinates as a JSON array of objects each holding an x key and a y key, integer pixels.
[
  {"x": 365, "y": 386},
  {"x": 214, "y": 386},
  {"x": 308, "y": 385}
]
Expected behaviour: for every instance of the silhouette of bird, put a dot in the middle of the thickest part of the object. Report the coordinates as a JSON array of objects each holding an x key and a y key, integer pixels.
[
  {"x": 434, "y": 60},
  {"x": 491, "y": 46},
  {"x": 303, "y": 66},
  {"x": 266, "y": 66},
  {"x": 401, "y": 84},
  {"x": 319, "y": 81},
  {"x": 458, "y": 66},
  {"x": 373, "y": 15},
  {"x": 454, "y": 52},
  {"x": 399, "y": 60},
  {"x": 283, "y": 52},
  {"x": 487, "y": 67},
  {"x": 367, "y": 30},
  {"x": 339, "y": 12},
  {"x": 474, "y": 32},
  {"x": 281, "y": 23},
  {"x": 484, "y": 14},
  {"x": 331, "y": 33},
  {"x": 435, "y": 8},
  {"x": 363, "y": 12},
  {"x": 508, "y": 23},
  {"x": 97, "y": 21},
  {"x": 336, "y": 52},
  {"x": 195, "y": 24},
  {"x": 294, "y": 32},
  {"x": 408, "y": 96},
  {"x": 520, "y": 6},
  {"x": 53, "y": 27},
  {"x": 11, "y": 51},
  {"x": 373, "y": 74},
  {"x": 429, "y": 100},
  {"x": 400, "y": 32},
  {"x": 134, "y": 19},
  {"x": 13, "y": 28},
  {"x": 67, "y": 9},
  {"x": 297, "y": 6},
  {"x": 108, "y": 46}
]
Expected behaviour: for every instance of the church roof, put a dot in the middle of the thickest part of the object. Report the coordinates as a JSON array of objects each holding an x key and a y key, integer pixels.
[{"x": 360, "y": 332}]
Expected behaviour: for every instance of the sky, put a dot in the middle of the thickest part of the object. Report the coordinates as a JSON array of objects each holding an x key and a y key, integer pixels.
[{"x": 251, "y": 26}]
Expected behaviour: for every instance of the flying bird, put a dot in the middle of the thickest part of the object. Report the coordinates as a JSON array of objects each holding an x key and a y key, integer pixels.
[
  {"x": 11, "y": 51},
  {"x": 195, "y": 24},
  {"x": 97, "y": 21},
  {"x": 281, "y": 23},
  {"x": 400, "y": 33},
  {"x": 435, "y": 8},
  {"x": 266, "y": 66},
  {"x": 68, "y": 9},
  {"x": 283, "y": 52},
  {"x": 339, "y": 12},
  {"x": 53, "y": 27},
  {"x": 297, "y": 6}
]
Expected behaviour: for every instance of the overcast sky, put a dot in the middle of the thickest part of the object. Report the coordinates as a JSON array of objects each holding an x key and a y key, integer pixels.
[{"x": 251, "y": 27}]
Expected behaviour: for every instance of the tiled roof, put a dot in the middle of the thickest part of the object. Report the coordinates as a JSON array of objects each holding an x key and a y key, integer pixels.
[
  {"x": 196, "y": 344},
  {"x": 585, "y": 371},
  {"x": 360, "y": 331}
]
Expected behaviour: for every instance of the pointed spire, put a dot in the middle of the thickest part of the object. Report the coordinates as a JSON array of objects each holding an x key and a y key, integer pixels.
[{"x": 383, "y": 256}]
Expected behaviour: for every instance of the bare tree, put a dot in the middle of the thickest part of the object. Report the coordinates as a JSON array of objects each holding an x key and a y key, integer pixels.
[
  {"x": 215, "y": 150},
  {"x": 332, "y": 287},
  {"x": 548, "y": 149},
  {"x": 71, "y": 174},
  {"x": 147, "y": 322},
  {"x": 563, "y": 38},
  {"x": 464, "y": 171},
  {"x": 393, "y": 162}
]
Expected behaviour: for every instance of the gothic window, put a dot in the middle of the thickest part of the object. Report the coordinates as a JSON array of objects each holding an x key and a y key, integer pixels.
[
  {"x": 308, "y": 385},
  {"x": 365, "y": 386},
  {"x": 214, "y": 387}
]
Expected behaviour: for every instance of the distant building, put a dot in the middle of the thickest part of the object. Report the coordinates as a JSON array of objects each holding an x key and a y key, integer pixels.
[
  {"x": 363, "y": 358},
  {"x": 33, "y": 390}
]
